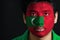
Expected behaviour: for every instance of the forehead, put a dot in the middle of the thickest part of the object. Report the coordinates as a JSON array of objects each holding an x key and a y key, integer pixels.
[{"x": 39, "y": 5}]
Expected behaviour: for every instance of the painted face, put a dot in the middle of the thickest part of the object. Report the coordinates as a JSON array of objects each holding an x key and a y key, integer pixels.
[{"x": 40, "y": 18}]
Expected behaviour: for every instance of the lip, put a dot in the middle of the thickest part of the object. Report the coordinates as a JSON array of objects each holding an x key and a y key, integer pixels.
[{"x": 39, "y": 29}]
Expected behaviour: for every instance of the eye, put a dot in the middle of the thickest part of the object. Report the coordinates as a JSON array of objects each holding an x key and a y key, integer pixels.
[
  {"x": 46, "y": 14},
  {"x": 33, "y": 14}
]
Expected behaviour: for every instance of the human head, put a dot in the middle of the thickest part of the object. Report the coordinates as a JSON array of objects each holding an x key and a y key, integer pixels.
[{"x": 43, "y": 18}]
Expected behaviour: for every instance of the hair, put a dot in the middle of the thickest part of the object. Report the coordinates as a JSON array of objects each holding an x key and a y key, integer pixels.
[{"x": 27, "y": 2}]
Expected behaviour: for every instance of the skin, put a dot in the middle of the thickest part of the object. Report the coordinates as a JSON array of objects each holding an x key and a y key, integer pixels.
[{"x": 49, "y": 20}]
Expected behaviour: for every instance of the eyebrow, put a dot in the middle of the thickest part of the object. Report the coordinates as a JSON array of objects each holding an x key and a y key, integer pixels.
[
  {"x": 46, "y": 10},
  {"x": 33, "y": 11}
]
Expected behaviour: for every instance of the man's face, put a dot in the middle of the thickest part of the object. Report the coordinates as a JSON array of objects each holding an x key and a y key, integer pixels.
[{"x": 40, "y": 18}]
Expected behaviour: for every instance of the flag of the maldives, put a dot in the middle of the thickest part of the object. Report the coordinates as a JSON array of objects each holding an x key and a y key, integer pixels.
[{"x": 33, "y": 21}]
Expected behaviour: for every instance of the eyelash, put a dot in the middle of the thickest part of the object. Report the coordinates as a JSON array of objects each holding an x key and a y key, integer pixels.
[
  {"x": 46, "y": 14},
  {"x": 33, "y": 14}
]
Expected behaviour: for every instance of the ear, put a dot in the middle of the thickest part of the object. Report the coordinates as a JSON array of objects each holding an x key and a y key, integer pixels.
[
  {"x": 24, "y": 18},
  {"x": 56, "y": 17}
]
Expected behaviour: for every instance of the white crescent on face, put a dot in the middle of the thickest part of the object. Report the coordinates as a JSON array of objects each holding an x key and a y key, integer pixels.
[{"x": 32, "y": 21}]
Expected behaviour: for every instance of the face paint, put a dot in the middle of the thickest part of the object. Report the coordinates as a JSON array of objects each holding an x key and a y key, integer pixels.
[
  {"x": 40, "y": 18},
  {"x": 35, "y": 21}
]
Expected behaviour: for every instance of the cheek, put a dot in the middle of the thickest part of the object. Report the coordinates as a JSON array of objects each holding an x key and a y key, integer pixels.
[{"x": 49, "y": 22}]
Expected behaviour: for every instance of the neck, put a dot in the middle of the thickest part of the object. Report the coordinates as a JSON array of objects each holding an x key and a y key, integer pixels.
[{"x": 47, "y": 37}]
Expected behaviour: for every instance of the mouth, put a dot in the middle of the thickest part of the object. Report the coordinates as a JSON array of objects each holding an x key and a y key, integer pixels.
[{"x": 39, "y": 29}]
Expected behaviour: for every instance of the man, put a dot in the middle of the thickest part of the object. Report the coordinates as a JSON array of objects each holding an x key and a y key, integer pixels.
[{"x": 40, "y": 19}]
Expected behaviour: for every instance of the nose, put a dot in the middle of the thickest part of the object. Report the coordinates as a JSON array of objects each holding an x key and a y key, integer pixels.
[{"x": 39, "y": 21}]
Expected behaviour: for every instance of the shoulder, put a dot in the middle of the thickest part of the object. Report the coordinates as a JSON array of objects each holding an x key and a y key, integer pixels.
[
  {"x": 55, "y": 36},
  {"x": 22, "y": 37}
]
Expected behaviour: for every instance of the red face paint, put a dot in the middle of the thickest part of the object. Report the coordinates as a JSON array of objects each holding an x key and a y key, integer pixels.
[{"x": 41, "y": 9}]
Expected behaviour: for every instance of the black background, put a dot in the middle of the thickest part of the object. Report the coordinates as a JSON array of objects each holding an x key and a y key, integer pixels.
[{"x": 12, "y": 21}]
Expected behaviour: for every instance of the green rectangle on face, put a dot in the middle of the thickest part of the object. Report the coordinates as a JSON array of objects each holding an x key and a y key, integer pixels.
[{"x": 34, "y": 21}]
